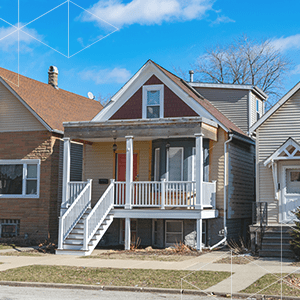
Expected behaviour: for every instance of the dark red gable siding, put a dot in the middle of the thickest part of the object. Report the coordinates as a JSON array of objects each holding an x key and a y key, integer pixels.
[{"x": 173, "y": 105}]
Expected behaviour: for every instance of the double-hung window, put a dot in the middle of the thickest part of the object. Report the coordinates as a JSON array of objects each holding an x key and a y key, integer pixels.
[
  {"x": 175, "y": 164},
  {"x": 19, "y": 178},
  {"x": 153, "y": 96}
]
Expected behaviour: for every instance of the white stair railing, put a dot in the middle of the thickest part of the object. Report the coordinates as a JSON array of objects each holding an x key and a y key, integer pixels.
[
  {"x": 98, "y": 215},
  {"x": 75, "y": 188},
  {"x": 68, "y": 221}
]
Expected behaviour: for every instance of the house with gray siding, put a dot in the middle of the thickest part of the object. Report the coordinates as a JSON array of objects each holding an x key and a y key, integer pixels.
[
  {"x": 162, "y": 163},
  {"x": 277, "y": 174}
]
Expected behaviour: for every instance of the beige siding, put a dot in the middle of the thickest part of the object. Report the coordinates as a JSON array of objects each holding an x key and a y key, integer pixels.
[
  {"x": 284, "y": 123},
  {"x": 99, "y": 163},
  {"x": 14, "y": 116},
  {"x": 232, "y": 103},
  {"x": 241, "y": 180},
  {"x": 217, "y": 167}
]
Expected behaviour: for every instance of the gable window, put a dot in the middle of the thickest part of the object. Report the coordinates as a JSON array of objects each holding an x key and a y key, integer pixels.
[
  {"x": 257, "y": 109},
  {"x": 153, "y": 101},
  {"x": 19, "y": 178}
]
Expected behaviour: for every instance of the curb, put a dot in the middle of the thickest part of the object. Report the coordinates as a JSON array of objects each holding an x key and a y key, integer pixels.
[{"x": 143, "y": 289}]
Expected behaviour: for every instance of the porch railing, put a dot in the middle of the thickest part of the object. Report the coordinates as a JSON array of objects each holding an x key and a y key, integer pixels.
[
  {"x": 165, "y": 194},
  {"x": 75, "y": 188},
  {"x": 98, "y": 214},
  {"x": 68, "y": 221}
]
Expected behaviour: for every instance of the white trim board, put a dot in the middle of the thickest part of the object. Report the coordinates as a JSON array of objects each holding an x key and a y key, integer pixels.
[{"x": 272, "y": 110}]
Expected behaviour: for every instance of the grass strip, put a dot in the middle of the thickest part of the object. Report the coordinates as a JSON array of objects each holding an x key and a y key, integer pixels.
[
  {"x": 4, "y": 247},
  {"x": 151, "y": 257},
  {"x": 238, "y": 260},
  {"x": 21, "y": 253},
  {"x": 270, "y": 284},
  {"x": 114, "y": 277}
]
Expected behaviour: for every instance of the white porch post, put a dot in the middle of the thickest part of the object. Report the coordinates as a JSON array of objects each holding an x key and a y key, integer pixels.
[
  {"x": 199, "y": 234},
  {"x": 66, "y": 174},
  {"x": 199, "y": 170},
  {"x": 127, "y": 234},
  {"x": 129, "y": 170}
]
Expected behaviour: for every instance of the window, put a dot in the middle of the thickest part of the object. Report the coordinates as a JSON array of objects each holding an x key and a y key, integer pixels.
[
  {"x": 156, "y": 164},
  {"x": 175, "y": 164},
  {"x": 19, "y": 178},
  {"x": 257, "y": 109},
  {"x": 9, "y": 228},
  {"x": 153, "y": 101},
  {"x": 155, "y": 232},
  {"x": 174, "y": 232}
]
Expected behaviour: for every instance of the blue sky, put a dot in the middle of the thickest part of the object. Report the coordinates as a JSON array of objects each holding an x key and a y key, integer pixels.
[{"x": 124, "y": 34}]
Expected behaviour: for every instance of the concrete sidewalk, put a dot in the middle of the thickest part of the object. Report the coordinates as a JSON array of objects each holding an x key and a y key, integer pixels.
[{"x": 242, "y": 275}]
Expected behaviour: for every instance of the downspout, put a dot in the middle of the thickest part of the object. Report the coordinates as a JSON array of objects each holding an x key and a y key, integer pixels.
[{"x": 225, "y": 195}]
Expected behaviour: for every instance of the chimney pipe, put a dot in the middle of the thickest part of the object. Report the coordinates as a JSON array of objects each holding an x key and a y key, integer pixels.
[
  {"x": 191, "y": 75},
  {"x": 53, "y": 76}
]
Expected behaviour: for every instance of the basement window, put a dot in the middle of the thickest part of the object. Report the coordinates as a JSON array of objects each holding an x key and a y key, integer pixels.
[
  {"x": 174, "y": 232},
  {"x": 19, "y": 178},
  {"x": 9, "y": 228},
  {"x": 153, "y": 101}
]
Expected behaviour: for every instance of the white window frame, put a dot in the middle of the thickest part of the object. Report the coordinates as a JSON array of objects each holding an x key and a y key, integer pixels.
[
  {"x": 258, "y": 114},
  {"x": 156, "y": 87},
  {"x": 166, "y": 232},
  {"x": 168, "y": 163},
  {"x": 23, "y": 162}
]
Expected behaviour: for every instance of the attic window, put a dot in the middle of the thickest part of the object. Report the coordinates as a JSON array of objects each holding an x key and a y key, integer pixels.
[{"x": 153, "y": 101}]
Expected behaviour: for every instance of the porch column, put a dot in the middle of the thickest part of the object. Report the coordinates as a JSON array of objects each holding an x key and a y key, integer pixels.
[
  {"x": 199, "y": 234},
  {"x": 127, "y": 234},
  {"x": 66, "y": 174},
  {"x": 129, "y": 170},
  {"x": 199, "y": 170}
]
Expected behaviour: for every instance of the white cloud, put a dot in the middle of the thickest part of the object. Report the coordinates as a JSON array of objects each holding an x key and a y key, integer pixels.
[
  {"x": 222, "y": 19},
  {"x": 296, "y": 70},
  {"x": 102, "y": 76},
  {"x": 287, "y": 43},
  {"x": 147, "y": 12},
  {"x": 9, "y": 38}
]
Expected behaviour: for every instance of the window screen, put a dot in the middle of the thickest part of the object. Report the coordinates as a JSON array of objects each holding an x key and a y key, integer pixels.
[{"x": 175, "y": 163}]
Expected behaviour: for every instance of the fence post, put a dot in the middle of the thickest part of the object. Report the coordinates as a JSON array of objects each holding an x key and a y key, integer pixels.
[{"x": 163, "y": 193}]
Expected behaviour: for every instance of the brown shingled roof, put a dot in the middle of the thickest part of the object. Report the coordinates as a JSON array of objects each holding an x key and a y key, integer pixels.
[
  {"x": 201, "y": 100},
  {"x": 53, "y": 106}
]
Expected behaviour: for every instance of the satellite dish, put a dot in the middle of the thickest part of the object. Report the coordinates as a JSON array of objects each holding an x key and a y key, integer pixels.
[{"x": 91, "y": 96}]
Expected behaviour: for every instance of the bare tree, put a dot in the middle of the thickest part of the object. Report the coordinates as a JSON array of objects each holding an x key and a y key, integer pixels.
[
  {"x": 245, "y": 61},
  {"x": 103, "y": 99}
]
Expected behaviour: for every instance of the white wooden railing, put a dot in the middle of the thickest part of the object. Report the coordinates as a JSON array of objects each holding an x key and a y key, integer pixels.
[
  {"x": 68, "y": 221},
  {"x": 98, "y": 214},
  {"x": 120, "y": 193},
  {"x": 75, "y": 188},
  {"x": 165, "y": 194},
  {"x": 146, "y": 193}
]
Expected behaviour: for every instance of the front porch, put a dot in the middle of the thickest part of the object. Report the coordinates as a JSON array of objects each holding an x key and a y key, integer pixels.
[{"x": 190, "y": 196}]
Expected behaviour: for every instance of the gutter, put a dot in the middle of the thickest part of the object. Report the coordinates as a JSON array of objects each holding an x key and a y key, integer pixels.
[{"x": 224, "y": 240}]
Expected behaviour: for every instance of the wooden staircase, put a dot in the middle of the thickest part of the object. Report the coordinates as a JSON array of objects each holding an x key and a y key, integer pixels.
[
  {"x": 73, "y": 244},
  {"x": 82, "y": 227},
  {"x": 275, "y": 244}
]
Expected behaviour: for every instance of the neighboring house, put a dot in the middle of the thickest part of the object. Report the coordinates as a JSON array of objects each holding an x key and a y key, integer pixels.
[
  {"x": 162, "y": 164},
  {"x": 277, "y": 174},
  {"x": 31, "y": 131}
]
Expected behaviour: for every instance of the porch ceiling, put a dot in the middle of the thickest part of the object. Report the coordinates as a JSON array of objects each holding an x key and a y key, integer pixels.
[{"x": 141, "y": 129}]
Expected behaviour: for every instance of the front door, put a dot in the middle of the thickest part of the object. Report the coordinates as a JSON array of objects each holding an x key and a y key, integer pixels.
[
  {"x": 290, "y": 193},
  {"x": 121, "y": 167}
]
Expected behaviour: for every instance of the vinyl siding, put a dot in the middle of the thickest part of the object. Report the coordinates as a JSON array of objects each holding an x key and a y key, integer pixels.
[
  {"x": 240, "y": 179},
  {"x": 284, "y": 123},
  {"x": 99, "y": 163},
  {"x": 14, "y": 116},
  {"x": 216, "y": 161},
  {"x": 253, "y": 109},
  {"x": 232, "y": 103}
]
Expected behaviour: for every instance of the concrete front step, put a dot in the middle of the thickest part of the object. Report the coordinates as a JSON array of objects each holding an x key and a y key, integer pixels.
[
  {"x": 276, "y": 246},
  {"x": 276, "y": 253}
]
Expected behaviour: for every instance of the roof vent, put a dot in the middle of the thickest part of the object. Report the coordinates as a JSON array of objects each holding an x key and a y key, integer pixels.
[
  {"x": 191, "y": 75},
  {"x": 53, "y": 76}
]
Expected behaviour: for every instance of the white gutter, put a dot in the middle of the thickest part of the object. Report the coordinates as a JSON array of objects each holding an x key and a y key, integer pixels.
[{"x": 225, "y": 194}]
